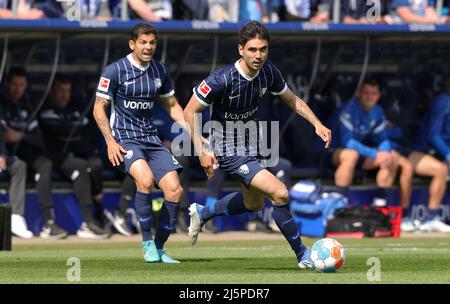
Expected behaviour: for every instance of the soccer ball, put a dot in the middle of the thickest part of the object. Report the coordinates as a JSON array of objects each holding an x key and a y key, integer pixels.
[{"x": 327, "y": 255}]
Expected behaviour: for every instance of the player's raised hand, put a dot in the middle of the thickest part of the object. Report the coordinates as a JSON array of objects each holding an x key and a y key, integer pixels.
[
  {"x": 325, "y": 134},
  {"x": 115, "y": 153}
]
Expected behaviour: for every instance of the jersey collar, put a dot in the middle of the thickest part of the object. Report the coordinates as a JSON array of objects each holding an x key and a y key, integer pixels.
[
  {"x": 238, "y": 67},
  {"x": 135, "y": 64}
]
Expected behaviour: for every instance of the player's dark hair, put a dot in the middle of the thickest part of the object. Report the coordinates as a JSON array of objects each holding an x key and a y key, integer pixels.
[
  {"x": 371, "y": 82},
  {"x": 61, "y": 78},
  {"x": 16, "y": 71},
  {"x": 253, "y": 29},
  {"x": 142, "y": 29}
]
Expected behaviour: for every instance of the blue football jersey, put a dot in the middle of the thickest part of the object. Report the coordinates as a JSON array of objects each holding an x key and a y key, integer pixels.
[
  {"x": 235, "y": 97},
  {"x": 133, "y": 90},
  {"x": 357, "y": 127},
  {"x": 437, "y": 124}
]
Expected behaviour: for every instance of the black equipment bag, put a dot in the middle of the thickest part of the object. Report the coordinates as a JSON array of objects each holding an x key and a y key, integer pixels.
[
  {"x": 5, "y": 227},
  {"x": 368, "y": 220}
]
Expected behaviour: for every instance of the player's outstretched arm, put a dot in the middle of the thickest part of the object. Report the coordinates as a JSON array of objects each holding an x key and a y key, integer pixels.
[
  {"x": 302, "y": 109},
  {"x": 114, "y": 149},
  {"x": 194, "y": 129},
  {"x": 173, "y": 108}
]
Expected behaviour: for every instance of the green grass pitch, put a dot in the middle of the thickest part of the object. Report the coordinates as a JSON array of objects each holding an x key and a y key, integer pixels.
[{"x": 404, "y": 260}]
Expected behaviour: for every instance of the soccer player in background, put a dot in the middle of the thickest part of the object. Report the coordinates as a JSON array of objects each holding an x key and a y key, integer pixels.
[
  {"x": 438, "y": 124},
  {"x": 361, "y": 140},
  {"x": 132, "y": 85},
  {"x": 236, "y": 91}
]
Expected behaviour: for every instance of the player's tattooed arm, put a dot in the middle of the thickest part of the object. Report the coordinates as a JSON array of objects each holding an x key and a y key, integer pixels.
[
  {"x": 302, "y": 109},
  {"x": 100, "y": 117},
  {"x": 114, "y": 149}
]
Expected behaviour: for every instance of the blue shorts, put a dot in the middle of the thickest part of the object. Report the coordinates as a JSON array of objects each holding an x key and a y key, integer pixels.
[
  {"x": 157, "y": 156},
  {"x": 241, "y": 168}
]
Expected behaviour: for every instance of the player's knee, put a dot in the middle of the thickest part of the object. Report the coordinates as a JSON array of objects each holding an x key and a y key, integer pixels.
[
  {"x": 280, "y": 196},
  {"x": 174, "y": 194},
  {"x": 144, "y": 184},
  {"x": 349, "y": 157},
  {"x": 442, "y": 171}
]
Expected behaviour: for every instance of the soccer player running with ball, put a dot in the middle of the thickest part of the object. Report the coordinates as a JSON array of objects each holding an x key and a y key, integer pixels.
[
  {"x": 235, "y": 93},
  {"x": 132, "y": 85}
]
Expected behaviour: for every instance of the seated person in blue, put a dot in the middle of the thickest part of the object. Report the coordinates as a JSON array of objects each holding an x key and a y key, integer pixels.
[
  {"x": 23, "y": 11},
  {"x": 153, "y": 10},
  {"x": 438, "y": 124},
  {"x": 414, "y": 161},
  {"x": 414, "y": 11},
  {"x": 360, "y": 138},
  {"x": 353, "y": 11},
  {"x": 363, "y": 12}
]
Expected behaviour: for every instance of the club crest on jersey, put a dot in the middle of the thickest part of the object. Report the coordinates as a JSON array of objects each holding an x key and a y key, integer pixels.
[
  {"x": 263, "y": 91},
  {"x": 103, "y": 84},
  {"x": 129, "y": 154},
  {"x": 244, "y": 169},
  {"x": 204, "y": 89},
  {"x": 157, "y": 83}
]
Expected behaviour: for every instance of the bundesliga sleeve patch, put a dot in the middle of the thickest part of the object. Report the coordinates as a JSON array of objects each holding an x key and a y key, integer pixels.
[
  {"x": 103, "y": 84},
  {"x": 204, "y": 89}
]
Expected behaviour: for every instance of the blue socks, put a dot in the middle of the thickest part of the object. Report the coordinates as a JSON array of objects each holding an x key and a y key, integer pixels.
[
  {"x": 230, "y": 204},
  {"x": 210, "y": 200},
  {"x": 144, "y": 213},
  {"x": 342, "y": 190},
  {"x": 167, "y": 223},
  {"x": 167, "y": 219},
  {"x": 284, "y": 220},
  {"x": 432, "y": 214},
  {"x": 406, "y": 213}
]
